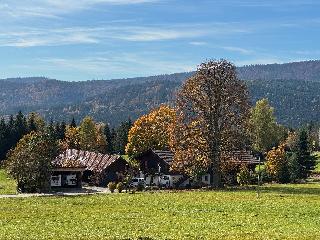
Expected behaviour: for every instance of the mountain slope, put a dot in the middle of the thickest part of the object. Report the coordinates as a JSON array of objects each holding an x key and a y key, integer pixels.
[{"x": 292, "y": 88}]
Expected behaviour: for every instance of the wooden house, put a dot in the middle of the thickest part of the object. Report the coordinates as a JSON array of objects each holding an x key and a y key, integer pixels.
[
  {"x": 85, "y": 166},
  {"x": 155, "y": 167}
]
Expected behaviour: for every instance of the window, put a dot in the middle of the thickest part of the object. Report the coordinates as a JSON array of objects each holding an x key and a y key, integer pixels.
[{"x": 206, "y": 178}]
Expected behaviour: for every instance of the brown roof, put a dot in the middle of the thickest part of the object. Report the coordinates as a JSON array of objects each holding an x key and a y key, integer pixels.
[
  {"x": 92, "y": 161},
  {"x": 166, "y": 156},
  {"x": 238, "y": 157},
  {"x": 243, "y": 157}
]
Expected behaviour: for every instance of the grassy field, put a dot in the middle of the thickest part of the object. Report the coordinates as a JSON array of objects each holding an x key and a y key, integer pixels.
[
  {"x": 317, "y": 168},
  {"x": 282, "y": 212},
  {"x": 7, "y": 185}
]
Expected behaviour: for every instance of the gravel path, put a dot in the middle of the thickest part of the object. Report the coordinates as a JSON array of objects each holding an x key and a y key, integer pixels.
[{"x": 63, "y": 192}]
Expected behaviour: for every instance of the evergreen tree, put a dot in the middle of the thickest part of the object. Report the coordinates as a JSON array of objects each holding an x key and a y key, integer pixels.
[
  {"x": 3, "y": 139},
  {"x": 109, "y": 138},
  {"x": 73, "y": 123},
  {"x": 51, "y": 130},
  {"x": 35, "y": 122},
  {"x": 120, "y": 139},
  {"x": 31, "y": 123},
  {"x": 60, "y": 129},
  {"x": 305, "y": 160},
  {"x": 20, "y": 126}
]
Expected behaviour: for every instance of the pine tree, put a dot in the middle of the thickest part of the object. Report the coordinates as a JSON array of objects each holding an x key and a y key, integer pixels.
[
  {"x": 121, "y": 137},
  {"x": 31, "y": 123},
  {"x": 73, "y": 123},
  {"x": 305, "y": 160},
  {"x": 3, "y": 139},
  {"x": 60, "y": 129},
  {"x": 20, "y": 126},
  {"x": 109, "y": 139},
  {"x": 51, "y": 130}
]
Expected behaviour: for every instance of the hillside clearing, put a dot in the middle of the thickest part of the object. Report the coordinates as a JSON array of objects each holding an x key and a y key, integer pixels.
[{"x": 282, "y": 212}]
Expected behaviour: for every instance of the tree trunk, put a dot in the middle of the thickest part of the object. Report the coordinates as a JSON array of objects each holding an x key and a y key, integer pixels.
[{"x": 215, "y": 178}]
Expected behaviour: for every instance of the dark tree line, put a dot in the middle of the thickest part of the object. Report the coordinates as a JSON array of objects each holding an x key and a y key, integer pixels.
[
  {"x": 12, "y": 130},
  {"x": 17, "y": 126},
  {"x": 117, "y": 138}
]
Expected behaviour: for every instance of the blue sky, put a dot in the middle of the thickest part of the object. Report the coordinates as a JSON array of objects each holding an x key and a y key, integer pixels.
[{"x": 103, "y": 39}]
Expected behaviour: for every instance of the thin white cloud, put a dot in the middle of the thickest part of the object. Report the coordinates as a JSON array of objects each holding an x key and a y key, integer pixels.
[
  {"x": 270, "y": 3},
  {"x": 32, "y": 37},
  {"x": 142, "y": 34},
  {"x": 111, "y": 64},
  {"x": 237, "y": 49},
  {"x": 197, "y": 43},
  {"x": 41, "y": 37},
  {"x": 55, "y": 8}
]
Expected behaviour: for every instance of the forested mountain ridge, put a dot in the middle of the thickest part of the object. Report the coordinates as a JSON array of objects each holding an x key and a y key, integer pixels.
[
  {"x": 293, "y": 89},
  {"x": 307, "y": 70}
]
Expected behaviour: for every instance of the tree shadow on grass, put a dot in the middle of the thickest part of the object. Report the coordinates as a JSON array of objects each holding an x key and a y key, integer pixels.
[
  {"x": 281, "y": 189},
  {"x": 291, "y": 190}
]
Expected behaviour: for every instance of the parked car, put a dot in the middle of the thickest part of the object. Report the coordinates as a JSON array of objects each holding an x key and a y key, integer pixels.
[{"x": 136, "y": 181}]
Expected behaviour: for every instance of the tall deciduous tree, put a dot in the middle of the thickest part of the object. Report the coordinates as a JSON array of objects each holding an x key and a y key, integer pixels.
[
  {"x": 151, "y": 131},
  {"x": 101, "y": 142},
  {"x": 212, "y": 116},
  {"x": 88, "y": 134},
  {"x": 264, "y": 130},
  {"x": 71, "y": 139}
]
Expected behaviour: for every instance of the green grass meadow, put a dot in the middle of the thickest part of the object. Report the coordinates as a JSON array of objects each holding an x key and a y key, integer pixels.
[
  {"x": 7, "y": 185},
  {"x": 317, "y": 167},
  {"x": 281, "y": 212}
]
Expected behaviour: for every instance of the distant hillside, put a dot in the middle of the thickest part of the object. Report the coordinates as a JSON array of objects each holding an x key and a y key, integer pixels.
[
  {"x": 292, "y": 88},
  {"x": 307, "y": 70}
]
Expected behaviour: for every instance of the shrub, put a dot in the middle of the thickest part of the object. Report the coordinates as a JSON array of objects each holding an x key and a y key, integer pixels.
[
  {"x": 229, "y": 173},
  {"x": 112, "y": 186},
  {"x": 140, "y": 187},
  {"x": 120, "y": 187},
  {"x": 243, "y": 176},
  {"x": 277, "y": 165},
  {"x": 30, "y": 162}
]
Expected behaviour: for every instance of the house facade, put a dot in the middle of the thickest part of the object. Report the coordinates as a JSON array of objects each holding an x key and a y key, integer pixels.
[
  {"x": 73, "y": 167},
  {"x": 155, "y": 168}
]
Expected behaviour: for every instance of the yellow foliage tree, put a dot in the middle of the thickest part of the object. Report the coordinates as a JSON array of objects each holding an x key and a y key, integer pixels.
[
  {"x": 151, "y": 131},
  {"x": 72, "y": 138},
  {"x": 189, "y": 147},
  {"x": 277, "y": 165},
  {"x": 88, "y": 136}
]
